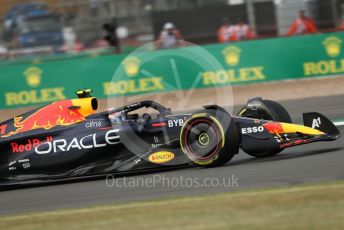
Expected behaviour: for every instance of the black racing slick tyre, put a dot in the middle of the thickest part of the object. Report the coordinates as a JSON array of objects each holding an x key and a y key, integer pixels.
[
  {"x": 209, "y": 139},
  {"x": 277, "y": 113}
]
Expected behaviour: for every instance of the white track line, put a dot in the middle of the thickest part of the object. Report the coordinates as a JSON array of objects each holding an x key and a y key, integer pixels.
[{"x": 338, "y": 123}]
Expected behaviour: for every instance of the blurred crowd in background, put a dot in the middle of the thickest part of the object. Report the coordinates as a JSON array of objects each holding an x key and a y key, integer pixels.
[{"x": 50, "y": 27}]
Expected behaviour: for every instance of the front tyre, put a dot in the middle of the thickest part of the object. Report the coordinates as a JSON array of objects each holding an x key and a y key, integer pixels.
[
  {"x": 209, "y": 139},
  {"x": 274, "y": 112}
]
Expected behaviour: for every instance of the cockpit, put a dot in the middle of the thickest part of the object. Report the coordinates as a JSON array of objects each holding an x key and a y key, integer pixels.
[{"x": 134, "y": 112}]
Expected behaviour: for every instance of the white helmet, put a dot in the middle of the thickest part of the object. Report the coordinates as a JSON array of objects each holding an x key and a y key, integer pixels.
[{"x": 168, "y": 26}]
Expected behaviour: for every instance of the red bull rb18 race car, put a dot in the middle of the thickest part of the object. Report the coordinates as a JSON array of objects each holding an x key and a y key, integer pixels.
[{"x": 69, "y": 140}]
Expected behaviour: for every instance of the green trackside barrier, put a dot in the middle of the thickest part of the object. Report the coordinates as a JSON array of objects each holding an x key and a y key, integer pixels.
[{"x": 240, "y": 63}]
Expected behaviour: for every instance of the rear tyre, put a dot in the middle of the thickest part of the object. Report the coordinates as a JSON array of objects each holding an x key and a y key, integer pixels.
[
  {"x": 209, "y": 140},
  {"x": 277, "y": 113}
]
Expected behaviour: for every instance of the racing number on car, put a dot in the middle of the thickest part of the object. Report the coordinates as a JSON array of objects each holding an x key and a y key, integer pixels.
[
  {"x": 316, "y": 123},
  {"x": 3, "y": 129}
]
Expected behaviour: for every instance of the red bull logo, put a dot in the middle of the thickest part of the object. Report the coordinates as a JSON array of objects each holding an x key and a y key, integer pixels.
[
  {"x": 29, "y": 145},
  {"x": 58, "y": 113},
  {"x": 274, "y": 127}
]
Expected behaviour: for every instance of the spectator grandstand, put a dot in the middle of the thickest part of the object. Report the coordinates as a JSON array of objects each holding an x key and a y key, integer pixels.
[{"x": 140, "y": 21}]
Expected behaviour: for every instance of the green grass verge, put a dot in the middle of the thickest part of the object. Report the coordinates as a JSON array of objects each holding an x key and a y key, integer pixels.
[{"x": 319, "y": 206}]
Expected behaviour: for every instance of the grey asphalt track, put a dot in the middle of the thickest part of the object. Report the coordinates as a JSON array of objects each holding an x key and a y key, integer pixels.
[{"x": 316, "y": 162}]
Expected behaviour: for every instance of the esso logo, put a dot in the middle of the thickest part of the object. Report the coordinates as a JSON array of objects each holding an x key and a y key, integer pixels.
[{"x": 256, "y": 129}]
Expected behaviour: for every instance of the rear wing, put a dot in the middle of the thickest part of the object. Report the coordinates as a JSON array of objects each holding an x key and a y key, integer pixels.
[{"x": 320, "y": 122}]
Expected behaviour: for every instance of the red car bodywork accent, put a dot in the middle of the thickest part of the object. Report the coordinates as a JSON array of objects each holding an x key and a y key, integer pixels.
[
  {"x": 52, "y": 115},
  {"x": 159, "y": 124},
  {"x": 274, "y": 127}
]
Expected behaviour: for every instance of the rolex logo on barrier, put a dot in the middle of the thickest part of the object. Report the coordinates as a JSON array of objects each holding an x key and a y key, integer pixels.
[
  {"x": 33, "y": 76},
  {"x": 333, "y": 46},
  {"x": 131, "y": 66},
  {"x": 232, "y": 55},
  {"x": 330, "y": 65},
  {"x": 236, "y": 73},
  {"x": 28, "y": 95},
  {"x": 139, "y": 84}
]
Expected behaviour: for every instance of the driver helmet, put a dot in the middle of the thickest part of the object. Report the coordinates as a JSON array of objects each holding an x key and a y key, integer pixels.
[
  {"x": 116, "y": 117},
  {"x": 168, "y": 26}
]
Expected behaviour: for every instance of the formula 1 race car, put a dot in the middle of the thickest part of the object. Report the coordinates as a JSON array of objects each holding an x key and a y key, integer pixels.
[{"x": 68, "y": 139}]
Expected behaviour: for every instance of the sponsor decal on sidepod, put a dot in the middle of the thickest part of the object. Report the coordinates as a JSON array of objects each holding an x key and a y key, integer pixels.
[
  {"x": 161, "y": 157},
  {"x": 175, "y": 123},
  {"x": 29, "y": 145},
  {"x": 255, "y": 129},
  {"x": 86, "y": 142}
]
